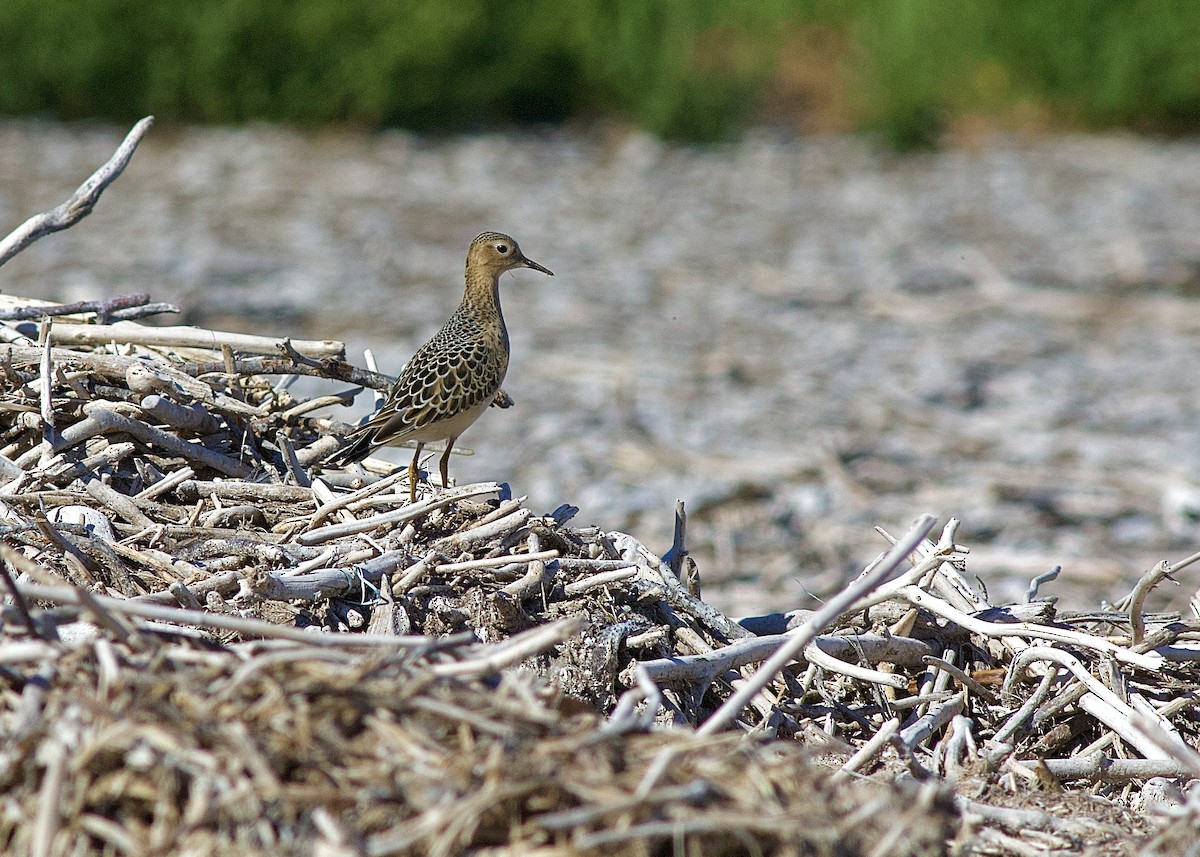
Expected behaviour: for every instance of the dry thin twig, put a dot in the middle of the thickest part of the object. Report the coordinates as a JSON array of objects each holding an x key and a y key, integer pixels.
[
  {"x": 128, "y": 333},
  {"x": 80, "y": 203}
]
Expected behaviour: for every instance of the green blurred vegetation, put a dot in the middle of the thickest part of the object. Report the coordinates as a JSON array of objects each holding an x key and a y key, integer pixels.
[{"x": 690, "y": 69}]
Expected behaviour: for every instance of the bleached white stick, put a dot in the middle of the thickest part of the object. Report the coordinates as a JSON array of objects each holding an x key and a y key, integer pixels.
[
  {"x": 920, "y": 598},
  {"x": 868, "y": 751},
  {"x": 131, "y": 333},
  {"x": 1100, "y": 702},
  {"x": 814, "y": 655},
  {"x": 399, "y": 516},
  {"x": 81, "y": 203}
]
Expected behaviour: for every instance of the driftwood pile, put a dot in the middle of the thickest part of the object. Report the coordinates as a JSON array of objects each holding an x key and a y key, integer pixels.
[
  {"x": 198, "y": 659},
  {"x": 210, "y": 644}
]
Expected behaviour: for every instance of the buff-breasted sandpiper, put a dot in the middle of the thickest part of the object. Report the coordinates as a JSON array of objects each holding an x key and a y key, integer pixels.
[{"x": 454, "y": 376}]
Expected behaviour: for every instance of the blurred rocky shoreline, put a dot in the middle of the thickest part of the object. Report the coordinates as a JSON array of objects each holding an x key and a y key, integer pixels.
[{"x": 801, "y": 337}]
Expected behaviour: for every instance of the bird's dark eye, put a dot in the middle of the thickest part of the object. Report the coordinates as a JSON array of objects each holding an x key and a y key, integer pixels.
[{"x": 502, "y": 249}]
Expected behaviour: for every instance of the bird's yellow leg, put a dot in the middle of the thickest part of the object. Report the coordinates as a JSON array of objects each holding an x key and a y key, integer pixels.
[
  {"x": 412, "y": 474},
  {"x": 446, "y": 463}
]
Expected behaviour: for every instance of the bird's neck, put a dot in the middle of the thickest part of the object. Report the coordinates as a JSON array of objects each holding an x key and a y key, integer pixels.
[{"x": 482, "y": 298}]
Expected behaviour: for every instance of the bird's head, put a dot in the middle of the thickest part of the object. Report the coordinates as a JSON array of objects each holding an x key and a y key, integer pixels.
[{"x": 495, "y": 253}]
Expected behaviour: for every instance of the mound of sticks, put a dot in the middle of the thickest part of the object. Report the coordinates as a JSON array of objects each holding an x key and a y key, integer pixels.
[{"x": 209, "y": 643}]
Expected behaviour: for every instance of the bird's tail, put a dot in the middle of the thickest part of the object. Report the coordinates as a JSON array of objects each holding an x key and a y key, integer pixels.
[{"x": 356, "y": 450}]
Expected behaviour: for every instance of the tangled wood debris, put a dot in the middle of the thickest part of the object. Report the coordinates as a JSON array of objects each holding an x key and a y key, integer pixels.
[{"x": 210, "y": 644}]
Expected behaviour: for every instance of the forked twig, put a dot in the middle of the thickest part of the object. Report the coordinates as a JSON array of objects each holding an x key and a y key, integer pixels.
[
  {"x": 1034, "y": 630},
  {"x": 1145, "y": 583}
]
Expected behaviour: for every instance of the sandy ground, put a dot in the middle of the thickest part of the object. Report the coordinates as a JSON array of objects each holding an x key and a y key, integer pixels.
[{"x": 802, "y": 338}]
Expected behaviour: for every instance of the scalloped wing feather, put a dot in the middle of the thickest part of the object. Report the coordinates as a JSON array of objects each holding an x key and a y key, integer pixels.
[{"x": 449, "y": 376}]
